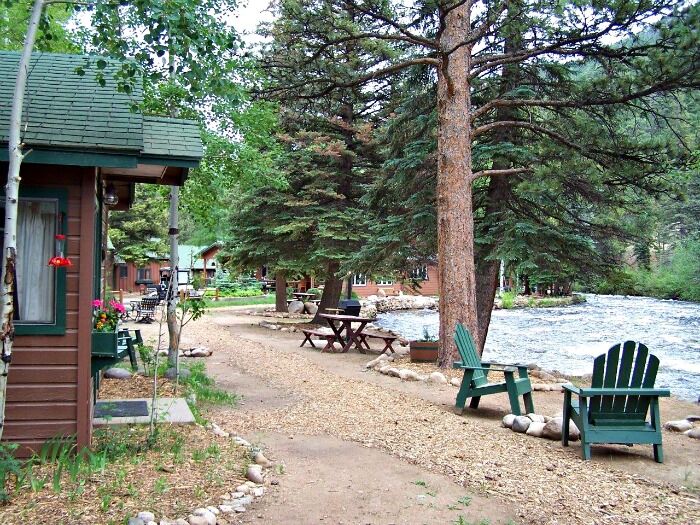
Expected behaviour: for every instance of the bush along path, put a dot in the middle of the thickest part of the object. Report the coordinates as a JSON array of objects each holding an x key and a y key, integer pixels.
[{"x": 543, "y": 481}]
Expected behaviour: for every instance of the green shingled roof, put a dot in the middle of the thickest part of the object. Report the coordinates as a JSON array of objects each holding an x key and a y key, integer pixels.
[{"x": 69, "y": 113}]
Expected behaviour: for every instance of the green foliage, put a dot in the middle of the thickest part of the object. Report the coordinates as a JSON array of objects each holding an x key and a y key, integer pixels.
[
  {"x": 10, "y": 467},
  {"x": 508, "y": 300},
  {"x": 139, "y": 234},
  {"x": 53, "y": 36}
]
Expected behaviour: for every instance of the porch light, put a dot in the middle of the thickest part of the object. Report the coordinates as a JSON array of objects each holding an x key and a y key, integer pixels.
[{"x": 110, "y": 198}]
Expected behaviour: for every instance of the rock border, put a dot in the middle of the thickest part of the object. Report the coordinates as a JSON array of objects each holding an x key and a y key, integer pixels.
[{"x": 235, "y": 502}]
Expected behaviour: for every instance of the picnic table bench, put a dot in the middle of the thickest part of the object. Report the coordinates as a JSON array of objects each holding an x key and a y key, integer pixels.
[
  {"x": 330, "y": 339},
  {"x": 388, "y": 340}
]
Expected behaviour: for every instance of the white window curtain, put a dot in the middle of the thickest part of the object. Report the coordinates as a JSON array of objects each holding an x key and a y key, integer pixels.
[{"x": 36, "y": 231}]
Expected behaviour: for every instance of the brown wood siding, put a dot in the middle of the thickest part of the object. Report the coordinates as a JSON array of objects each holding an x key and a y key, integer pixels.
[
  {"x": 43, "y": 380},
  {"x": 428, "y": 287}
]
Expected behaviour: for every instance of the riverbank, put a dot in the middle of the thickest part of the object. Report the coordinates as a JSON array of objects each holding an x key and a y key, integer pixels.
[{"x": 509, "y": 301}]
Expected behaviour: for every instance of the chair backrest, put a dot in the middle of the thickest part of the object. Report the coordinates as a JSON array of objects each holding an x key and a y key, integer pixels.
[
  {"x": 468, "y": 354},
  {"x": 626, "y": 365},
  {"x": 149, "y": 303}
]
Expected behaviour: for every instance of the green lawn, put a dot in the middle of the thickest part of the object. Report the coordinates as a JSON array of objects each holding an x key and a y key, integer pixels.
[{"x": 240, "y": 301}]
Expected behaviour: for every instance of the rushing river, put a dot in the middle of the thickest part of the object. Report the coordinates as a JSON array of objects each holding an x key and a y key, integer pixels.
[{"x": 568, "y": 338}]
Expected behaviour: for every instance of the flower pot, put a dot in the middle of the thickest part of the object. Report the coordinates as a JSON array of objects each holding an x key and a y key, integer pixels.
[
  {"x": 424, "y": 351},
  {"x": 104, "y": 344}
]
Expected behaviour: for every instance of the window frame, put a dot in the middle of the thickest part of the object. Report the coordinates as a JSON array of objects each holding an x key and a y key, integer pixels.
[
  {"x": 354, "y": 279},
  {"x": 58, "y": 327},
  {"x": 385, "y": 282},
  {"x": 414, "y": 274}
]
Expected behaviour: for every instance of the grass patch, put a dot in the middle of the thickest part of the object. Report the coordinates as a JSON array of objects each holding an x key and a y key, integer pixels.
[
  {"x": 204, "y": 389},
  {"x": 241, "y": 301}
]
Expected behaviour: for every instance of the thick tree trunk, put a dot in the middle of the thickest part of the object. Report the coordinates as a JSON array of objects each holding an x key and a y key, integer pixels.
[
  {"x": 173, "y": 328},
  {"x": 280, "y": 291},
  {"x": 16, "y": 156},
  {"x": 331, "y": 293},
  {"x": 456, "y": 272}
]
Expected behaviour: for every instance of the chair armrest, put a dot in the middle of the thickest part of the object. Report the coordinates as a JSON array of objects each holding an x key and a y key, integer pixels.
[
  {"x": 645, "y": 392},
  {"x": 571, "y": 388},
  {"x": 507, "y": 365},
  {"x": 458, "y": 364}
]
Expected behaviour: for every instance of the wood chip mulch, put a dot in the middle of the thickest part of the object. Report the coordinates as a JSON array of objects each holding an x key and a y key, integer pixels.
[
  {"x": 546, "y": 483},
  {"x": 137, "y": 386}
]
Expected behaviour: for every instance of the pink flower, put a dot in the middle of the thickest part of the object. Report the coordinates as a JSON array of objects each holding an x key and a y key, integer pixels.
[
  {"x": 97, "y": 303},
  {"x": 119, "y": 307}
]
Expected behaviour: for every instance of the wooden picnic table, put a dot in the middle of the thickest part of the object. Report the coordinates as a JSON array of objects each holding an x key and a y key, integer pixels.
[
  {"x": 301, "y": 296},
  {"x": 340, "y": 323}
]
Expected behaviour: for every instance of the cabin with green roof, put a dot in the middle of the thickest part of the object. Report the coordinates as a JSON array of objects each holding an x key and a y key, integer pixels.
[{"x": 89, "y": 144}]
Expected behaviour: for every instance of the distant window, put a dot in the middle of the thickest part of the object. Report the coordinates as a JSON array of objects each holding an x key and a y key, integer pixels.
[
  {"x": 359, "y": 279},
  {"x": 420, "y": 273},
  {"x": 123, "y": 270},
  {"x": 143, "y": 274},
  {"x": 385, "y": 282}
]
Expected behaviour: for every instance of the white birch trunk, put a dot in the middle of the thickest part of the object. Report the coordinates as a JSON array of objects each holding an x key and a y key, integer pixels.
[{"x": 7, "y": 332}]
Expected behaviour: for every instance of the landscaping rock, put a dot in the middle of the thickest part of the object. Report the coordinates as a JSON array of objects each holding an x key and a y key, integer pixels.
[
  {"x": 180, "y": 521},
  {"x": 206, "y": 514},
  {"x": 296, "y": 307},
  {"x": 693, "y": 419},
  {"x": 226, "y": 509},
  {"x": 259, "y": 492},
  {"x": 393, "y": 372},
  {"x": 213, "y": 510},
  {"x": 681, "y": 425},
  {"x": 508, "y": 420},
  {"x": 239, "y": 509},
  {"x": 136, "y": 521},
  {"x": 521, "y": 424},
  {"x": 198, "y": 520},
  {"x": 552, "y": 429},
  {"x": 261, "y": 460},
  {"x": 381, "y": 293},
  {"x": 245, "y": 500},
  {"x": 456, "y": 381},
  {"x": 384, "y": 369},
  {"x": 254, "y": 474},
  {"x": 437, "y": 377},
  {"x": 536, "y": 418},
  {"x": 171, "y": 373},
  {"x": 216, "y": 429},
  {"x": 535, "y": 429},
  {"x": 408, "y": 375},
  {"x": 146, "y": 516},
  {"x": 693, "y": 433},
  {"x": 200, "y": 352},
  {"x": 244, "y": 489},
  {"x": 117, "y": 373},
  {"x": 310, "y": 308}
]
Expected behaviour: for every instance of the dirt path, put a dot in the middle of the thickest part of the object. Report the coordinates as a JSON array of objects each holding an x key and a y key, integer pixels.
[{"x": 358, "y": 431}]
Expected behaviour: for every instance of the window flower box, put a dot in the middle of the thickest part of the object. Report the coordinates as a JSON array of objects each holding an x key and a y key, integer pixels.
[{"x": 104, "y": 344}]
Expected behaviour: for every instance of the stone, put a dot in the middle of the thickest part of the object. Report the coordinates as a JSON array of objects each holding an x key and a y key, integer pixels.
[
  {"x": 258, "y": 492},
  {"x": 245, "y": 500},
  {"x": 146, "y": 516},
  {"x": 180, "y": 521},
  {"x": 381, "y": 293},
  {"x": 208, "y": 515},
  {"x": 393, "y": 372},
  {"x": 693, "y": 433},
  {"x": 680, "y": 425},
  {"x": 117, "y": 373},
  {"x": 252, "y": 484},
  {"x": 552, "y": 429},
  {"x": 197, "y": 520},
  {"x": 240, "y": 441},
  {"x": 437, "y": 377},
  {"x": 508, "y": 420},
  {"x": 213, "y": 510},
  {"x": 384, "y": 369},
  {"x": 521, "y": 424},
  {"x": 226, "y": 509},
  {"x": 254, "y": 474},
  {"x": 171, "y": 373},
  {"x": 692, "y": 419},
  {"x": 135, "y": 521},
  {"x": 244, "y": 489},
  {"x": 296, "y": 307},
  {"x": 547, "y": 419},
  {"x": 218, "y": 431},
  {"x": 535, "y": 429},
  {"x": 310, "y": 308},
  {"x": 408, "y": 375},
  {"x": 260, "y": 459},
  {"x": 456, "y": 381},
  {"x": 200, "y": 352},
  {"x": 536, "y": 418},
  {"x": 239, "y": 509}
]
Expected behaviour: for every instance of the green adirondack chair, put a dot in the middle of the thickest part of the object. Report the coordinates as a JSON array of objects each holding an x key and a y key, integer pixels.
[
  {"x": 475, "y": 383},
  {"x": 614, "y": 409}
]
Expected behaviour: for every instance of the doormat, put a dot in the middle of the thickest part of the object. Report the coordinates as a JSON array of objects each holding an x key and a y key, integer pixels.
[{"x": 107, "y": 409}]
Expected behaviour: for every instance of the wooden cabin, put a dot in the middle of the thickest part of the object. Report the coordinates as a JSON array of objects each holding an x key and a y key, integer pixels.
[{"x": 87, "y": 142}]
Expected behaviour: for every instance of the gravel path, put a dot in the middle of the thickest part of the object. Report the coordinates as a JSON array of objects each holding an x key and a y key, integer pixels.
[{"x": 546, "y": 484}]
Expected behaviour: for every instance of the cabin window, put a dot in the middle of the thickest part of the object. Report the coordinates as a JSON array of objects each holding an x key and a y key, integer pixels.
[
  {"x": 123, "y": 271},
  {"x": 384, "y": 282},
  {"x": 359, "y": 279},
  {"x": 39, "y": 288},
  {"x": 420, "y": 273},
  {"x": 143, "y": 274}
]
